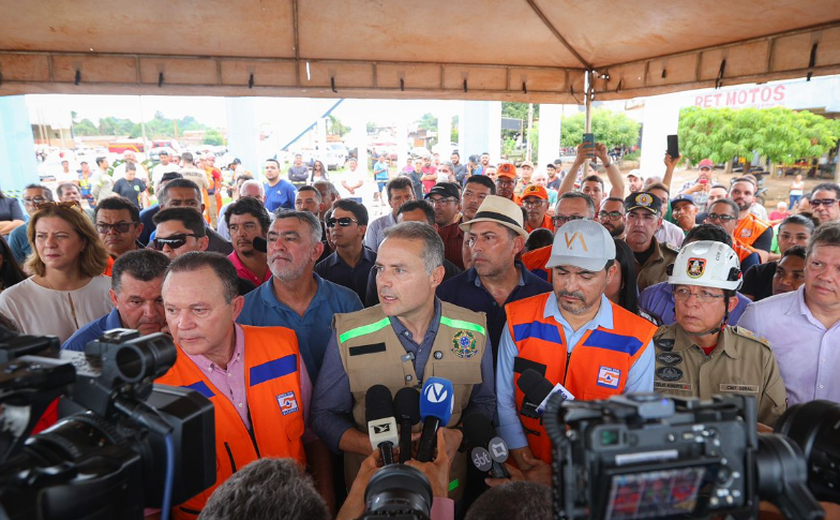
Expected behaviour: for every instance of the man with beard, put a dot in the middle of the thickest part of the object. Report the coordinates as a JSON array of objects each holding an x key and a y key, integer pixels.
[
  {"x": 117, "y": 222},
  {"x": 296, "y": 297},
  {"x": 483, "y": 164},
  {"x": 248, "y": 220},
  {"x": 635, "y": 182},
  {"x": 644, "y": 217},
  {"x": 700, "y": 187},
  {"x": 445, "y": 198},
  {"x": 535, "y": 202},
  {"x": 613, "y": 217},
  {"x": 496, "y": 237},
  {"x": 476, "y": 189},
  {"x": 582, "y": 341},
  {"x": 136, "y": 279},
  {"x": 751, "y": 230},
  {"x": 459, "y": 169}
]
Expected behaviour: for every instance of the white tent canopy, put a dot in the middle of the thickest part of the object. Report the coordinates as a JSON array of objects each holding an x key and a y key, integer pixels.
[{"x": 513, "y": 50}]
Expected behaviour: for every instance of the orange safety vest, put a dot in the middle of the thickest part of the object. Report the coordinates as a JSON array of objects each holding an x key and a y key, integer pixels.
[
  {"x": 749, "y": 229},
  {"x": 743, "y": 250},
  {"x": 598, "y": 365},
  {"x": 535, "y": 261},
  {"x": 272, "y": 389}
]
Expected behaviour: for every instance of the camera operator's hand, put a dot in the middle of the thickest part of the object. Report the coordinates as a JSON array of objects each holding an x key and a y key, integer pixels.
[
  {"x": 354, "y": 506},
  {"x": 437, "y": 471},
  {"x": 539, "y": 471}
]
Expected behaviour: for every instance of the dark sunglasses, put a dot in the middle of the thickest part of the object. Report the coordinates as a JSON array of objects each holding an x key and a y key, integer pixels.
[
  {"x": 723, "y": 218},
  {"x": 343, "y": 222},
  {"x": 119, "y": 227},
  {"x": 823, "y": 202},
  {"x": 174, "y": 242}
]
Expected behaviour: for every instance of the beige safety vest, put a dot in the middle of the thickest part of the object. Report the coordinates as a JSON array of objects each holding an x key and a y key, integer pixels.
[{"x": 373, "y": 355}]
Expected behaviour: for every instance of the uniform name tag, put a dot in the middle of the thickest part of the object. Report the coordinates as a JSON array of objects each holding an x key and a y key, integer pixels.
[
  {"x": 728, "y": 387},
  {"x": 367, "y": 349},
  {"x": 672, "y": 386}
]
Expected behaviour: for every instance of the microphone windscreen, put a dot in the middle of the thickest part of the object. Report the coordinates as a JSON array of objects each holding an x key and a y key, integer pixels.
[
  {"x": 478, "y": 430},
  {"x": 407, "y": 404},
  {"x": 378, "y": 403},
  {"x": 535, "y": 387},
  {"x": 437, "y": 399}
]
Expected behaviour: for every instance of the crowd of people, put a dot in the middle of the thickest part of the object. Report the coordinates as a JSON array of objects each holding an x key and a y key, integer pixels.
[{"x": 290, "y": 302}]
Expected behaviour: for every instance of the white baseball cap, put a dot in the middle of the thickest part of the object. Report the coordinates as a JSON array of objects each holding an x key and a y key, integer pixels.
[{"x": 582, "y": 243}]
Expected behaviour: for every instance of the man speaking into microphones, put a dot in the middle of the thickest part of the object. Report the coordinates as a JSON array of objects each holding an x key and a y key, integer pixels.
[
  {"x": 573, "y": 337},
  {"x": 409, "y": 339}
]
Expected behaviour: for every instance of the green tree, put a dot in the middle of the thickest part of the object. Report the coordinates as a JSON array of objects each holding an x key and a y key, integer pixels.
[
  {"x": 85, "y": 127},
  {"x": 610, "y": 128},
  {"x": 335, "y": 127},
  {"x": 781, "y": 135},
  {"x": 213, "y": 137},
  {"x": 519, "y": 110}
]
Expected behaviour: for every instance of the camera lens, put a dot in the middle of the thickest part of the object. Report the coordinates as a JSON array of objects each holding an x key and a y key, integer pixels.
[
  {"x": 147, "y": 356},
  {"x": 399, "y": 488}
]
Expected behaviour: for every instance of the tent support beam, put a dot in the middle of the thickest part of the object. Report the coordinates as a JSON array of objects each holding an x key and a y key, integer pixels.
[{"x": 547, "y": 23}]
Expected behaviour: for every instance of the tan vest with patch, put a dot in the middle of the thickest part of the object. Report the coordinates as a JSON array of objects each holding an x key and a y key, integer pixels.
[{"x": 373, "y": 355}]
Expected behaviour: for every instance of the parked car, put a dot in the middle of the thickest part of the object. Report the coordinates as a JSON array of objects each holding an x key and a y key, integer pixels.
[{"x": 334, "y": 155}]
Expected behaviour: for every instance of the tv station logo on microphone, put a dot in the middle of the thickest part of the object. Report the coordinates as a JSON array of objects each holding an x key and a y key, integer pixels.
[
  {"x": 436, "y": 393},
  {"x": 381, "y": 428}
]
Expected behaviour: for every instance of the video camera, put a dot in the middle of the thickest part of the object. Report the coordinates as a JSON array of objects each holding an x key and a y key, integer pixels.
[
  {"x": 648, "y": 456},
  {"x": 133, "y": 445}
]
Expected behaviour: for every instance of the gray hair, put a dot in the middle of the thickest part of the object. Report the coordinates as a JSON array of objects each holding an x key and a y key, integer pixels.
[
  {"x": 252, "y": 182},
  {"x": 303, "y": 217},
  {"x": 514, "y": 500},
  {"x": 590, "y": 204},
  {"x": 267, "y": 489},
  {"x": 432, "y": 244},
  {"x": 827, "y": 234},
  {"x": 143, "y": 264},
  {"x": 219, "y": 263},
  {"x": 330, "y": 186}
]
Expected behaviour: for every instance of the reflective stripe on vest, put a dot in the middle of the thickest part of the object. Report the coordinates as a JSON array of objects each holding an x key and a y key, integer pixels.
[
  {"x": 598, "y": 366},
  {"x": 381, "y": 324},
  {"x": 272, "y": 386}
]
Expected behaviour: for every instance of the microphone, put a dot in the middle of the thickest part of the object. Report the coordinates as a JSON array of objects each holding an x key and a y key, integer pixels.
[
  {"x": 490, "y": 451},
  {"x": 538, "y": 389},
  {"x": 382, "y": 427},
  {"x": 436, "y": 404},
  {"x": 407, "y": 408}
]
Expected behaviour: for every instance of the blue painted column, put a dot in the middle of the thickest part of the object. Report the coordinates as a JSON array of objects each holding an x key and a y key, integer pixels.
[{"x": 18, "y": 166}]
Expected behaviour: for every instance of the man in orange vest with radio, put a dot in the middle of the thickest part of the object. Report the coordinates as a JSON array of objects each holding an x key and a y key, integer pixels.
[
  {"x": 574, "y": 337},
  {"x": 751, "y": 231},
  {"x": 253, "y": 375}
]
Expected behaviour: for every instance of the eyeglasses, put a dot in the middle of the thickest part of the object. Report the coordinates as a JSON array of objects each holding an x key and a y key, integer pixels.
[
  {"x": 442, "y": 202},
  {"x": 34, "y": 200},
  {"x": 823, "y": 202},
  {"x": 119, "y": 227},
  {"x": 682, "y": 294},
  {"x": 343, "y": 222},
  {"x": 174, "y": 242},
  {"x": 559, "y": 220},
  {"x": 612, "y": 215},
  {"x": 711, "y": 217},
  {"x": 533, "y": 203}
]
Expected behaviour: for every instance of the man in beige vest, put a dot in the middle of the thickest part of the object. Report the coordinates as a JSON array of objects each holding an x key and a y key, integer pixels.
[{"x": 409, "y": 336}]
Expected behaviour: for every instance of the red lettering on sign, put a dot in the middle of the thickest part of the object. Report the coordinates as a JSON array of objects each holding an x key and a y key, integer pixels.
[
  {"x": 717, "y": 98},
  {"x": 707, "y": 101},
  {"x": 753, "y": 91},
  {"x": 742, "y": 97},
  {"x": 731, "y": 97},
  {"x": 766, "y": 94},
  {"x": 779, "y": 93},
  {"x": 698, "y": 101}
]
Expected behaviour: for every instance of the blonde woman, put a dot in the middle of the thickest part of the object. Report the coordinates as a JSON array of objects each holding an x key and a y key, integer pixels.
[{"x": 66, "y": 289}]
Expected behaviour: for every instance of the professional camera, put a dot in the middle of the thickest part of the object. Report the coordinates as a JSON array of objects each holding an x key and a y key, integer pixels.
[
  {"x": 647, "y": 456},
  {"x": 134, "y": 444},
  {"x": 398, "y": 492}
]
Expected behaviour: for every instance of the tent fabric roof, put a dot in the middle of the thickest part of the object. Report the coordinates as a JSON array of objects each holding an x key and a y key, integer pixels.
[{"x": 511, "y": 50}]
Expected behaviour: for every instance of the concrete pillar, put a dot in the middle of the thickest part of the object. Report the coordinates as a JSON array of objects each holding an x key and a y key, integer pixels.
[
  {"x": 444, "y": 131},
  {"x": 549, "y": 135},
  {"x": 481, "y": 129},
  {"x": 18, "y": 166},
  {"x": 243, "y": 134},
  {"x": 662, "y": 117}
]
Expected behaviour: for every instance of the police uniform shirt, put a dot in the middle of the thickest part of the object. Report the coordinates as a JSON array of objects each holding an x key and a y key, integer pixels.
[
  {"x": 741, "y": 363},
  {"x": 655, "y": 267}
]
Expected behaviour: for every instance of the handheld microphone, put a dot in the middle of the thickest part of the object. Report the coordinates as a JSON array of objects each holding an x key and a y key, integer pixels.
[
  {"x": 489, "y": 451},
  {"x": 407, "y": 408},
  {"x": 436, "y": 404},
  {"x": 382, "y": 426},
  {"x": 538, "y": 389}
]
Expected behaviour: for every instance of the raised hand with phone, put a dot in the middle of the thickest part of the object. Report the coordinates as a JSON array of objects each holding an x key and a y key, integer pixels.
[{"x": 586, "y": 150}]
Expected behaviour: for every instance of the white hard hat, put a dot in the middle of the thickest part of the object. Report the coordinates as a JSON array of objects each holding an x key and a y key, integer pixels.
[{"x": 707, "y": 263}]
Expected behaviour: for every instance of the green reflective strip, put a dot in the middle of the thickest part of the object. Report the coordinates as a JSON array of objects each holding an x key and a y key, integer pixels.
[
  {"x": 364, "y": 329},
  {"x": 461, "y": 324},
  {"x": 453, "y": 485}
]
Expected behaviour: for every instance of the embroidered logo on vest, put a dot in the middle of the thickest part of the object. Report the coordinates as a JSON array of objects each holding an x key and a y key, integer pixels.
[
  {"x": 608, "y": 377},
  {"x": 464, "y": 344},
  {"x": 288, "y": 403}
]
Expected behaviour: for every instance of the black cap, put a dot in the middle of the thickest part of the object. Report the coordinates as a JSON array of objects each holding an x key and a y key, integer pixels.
[
  {"x": 445, "y": 189},
  {"x": 644, "y": 200},
  {"x": 171, "y": 176}
]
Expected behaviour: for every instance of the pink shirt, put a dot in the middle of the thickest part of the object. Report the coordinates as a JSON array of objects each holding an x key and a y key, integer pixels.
[
  {"x": 231, "y": 382},
  {"x": 245, "y": 273}
]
